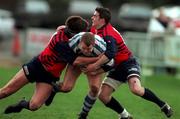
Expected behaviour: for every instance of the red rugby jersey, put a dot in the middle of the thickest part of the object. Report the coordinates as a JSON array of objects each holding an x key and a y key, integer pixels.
[
  {"x": 123, "y": 53},
  {"x": 50, "y": 58}
]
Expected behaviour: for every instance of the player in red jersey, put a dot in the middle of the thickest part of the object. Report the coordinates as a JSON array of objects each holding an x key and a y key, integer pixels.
[
  {"x": 73, "y": 72},
  {"x": 45, "y": 68},
  {"x": 127, "y": 68}
]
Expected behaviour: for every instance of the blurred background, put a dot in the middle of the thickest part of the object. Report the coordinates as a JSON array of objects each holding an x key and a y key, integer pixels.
[{"x": 151, "y": 28}]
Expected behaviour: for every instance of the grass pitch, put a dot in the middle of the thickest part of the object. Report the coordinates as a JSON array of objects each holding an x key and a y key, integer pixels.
[{"x": 67, "y": 106}]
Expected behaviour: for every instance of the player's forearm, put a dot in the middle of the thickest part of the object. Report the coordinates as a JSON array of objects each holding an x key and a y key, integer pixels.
[
  {"x": 101, "y": 61},
  {"x": 85, "y": 60},
  {"x": 100, "y": 71}
]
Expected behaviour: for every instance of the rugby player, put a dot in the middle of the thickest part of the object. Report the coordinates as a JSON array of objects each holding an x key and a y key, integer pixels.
[
  {"x": 89, "y": 54},
  {"x": 127, "y": 69},
  {"x": 45, "y": 68}
]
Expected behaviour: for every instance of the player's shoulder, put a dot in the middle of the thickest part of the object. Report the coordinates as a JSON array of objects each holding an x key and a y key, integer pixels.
[
  {"x": 98, "y": 37},
  {"x": 77, "y": 36}
]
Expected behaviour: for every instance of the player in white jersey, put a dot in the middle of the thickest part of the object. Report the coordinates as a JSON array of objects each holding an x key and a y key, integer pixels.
[
  {"x": 98, "y": 47},
  {"x": 84, "y": 44}
]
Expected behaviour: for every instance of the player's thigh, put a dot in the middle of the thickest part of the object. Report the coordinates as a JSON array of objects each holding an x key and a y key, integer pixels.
[
  {"x": 71, "y": 75},
  {"x": 94, "y": 80},
  {"x": 41, "y": 93},
  {"x": 105, "y": 93},
  {"x": 17, "y": 82}
]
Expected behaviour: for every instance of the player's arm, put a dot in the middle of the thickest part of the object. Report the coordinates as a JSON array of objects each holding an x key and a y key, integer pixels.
[
  {"x": 108, "y": 55},
  {"x": 60, "y": 27},
  {"x": 104, "y": 68},
  {"x": 84, "y": 60}
]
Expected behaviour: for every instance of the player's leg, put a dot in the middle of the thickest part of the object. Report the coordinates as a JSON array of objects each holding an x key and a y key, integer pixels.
[
  {"x": 132, "y": 71},
  {"x": 109, "y": 85},
  {"x": 137, "y": 89},
  {"x": 40, "y": 95},
  {"x": 70, "y": 77},
  {"x": 89, "y": 100},
  {"x": 17, "y": 82},
  {"x": 35, "y": 72},
  {"x": 94, "y": 82}
]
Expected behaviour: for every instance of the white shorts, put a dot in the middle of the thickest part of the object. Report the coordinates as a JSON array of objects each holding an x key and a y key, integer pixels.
[{"x": 111, "y": 82}]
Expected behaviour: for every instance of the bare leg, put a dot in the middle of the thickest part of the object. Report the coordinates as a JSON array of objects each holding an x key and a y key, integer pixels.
[
  {"x": 71, "y": 75},
  {"x": 137, "y": 89},
  {"x": 40, "y": 95},
  {"x": 135, "y": 86},
  {"x": 106, "y": 93},
  {"x": 94, "y": 84},
  {"x": 90, "y": 99},
  {"x": 17, "y": 82}
]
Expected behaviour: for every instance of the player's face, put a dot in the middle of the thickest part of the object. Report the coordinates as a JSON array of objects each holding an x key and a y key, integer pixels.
[
  {"x": 86, "y": 50},
  {"x": 96, "y": 20}
]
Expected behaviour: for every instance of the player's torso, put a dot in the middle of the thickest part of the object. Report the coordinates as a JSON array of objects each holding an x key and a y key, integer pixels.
[
  {"x": 123, "y": 53},
  {"x": 51, "y": 57},
  {"x": 99, "y": 47}
]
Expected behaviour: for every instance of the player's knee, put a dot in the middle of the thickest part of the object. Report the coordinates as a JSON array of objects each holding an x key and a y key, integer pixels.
[
  {"x": 137, "y": 90},
  {"x": 66, "y": 89},
  {"x": 33, "y": 106},
  {"x": 104, "y": 98},
  {"x": 94, "y": 90}
]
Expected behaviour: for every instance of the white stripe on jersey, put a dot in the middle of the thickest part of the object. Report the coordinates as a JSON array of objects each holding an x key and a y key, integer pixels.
[
  {"x": 74, "y": 41},
  {"x": 100, "y": 44}
]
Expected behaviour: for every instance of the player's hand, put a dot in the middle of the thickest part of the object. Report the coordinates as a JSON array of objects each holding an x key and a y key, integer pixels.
[
  {"x": 91, "y": 67},
  {"x": 83, "y": 68},
  {"x": 60, "y": 27}
]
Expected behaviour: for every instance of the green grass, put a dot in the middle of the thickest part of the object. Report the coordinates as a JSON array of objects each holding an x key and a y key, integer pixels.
[{"x": 67, "y": 106}]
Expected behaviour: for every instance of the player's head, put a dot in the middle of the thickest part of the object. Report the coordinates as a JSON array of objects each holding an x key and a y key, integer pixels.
[
  {"x": 76, "y": 24},
  {"x": 87, "y": 43},
  {"x": 101, "y": 16}
]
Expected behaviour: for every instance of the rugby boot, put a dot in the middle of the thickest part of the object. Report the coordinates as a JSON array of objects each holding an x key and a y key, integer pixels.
[
  {"x": 15, "y": 108},
  {"x": 167, "y": 110}
]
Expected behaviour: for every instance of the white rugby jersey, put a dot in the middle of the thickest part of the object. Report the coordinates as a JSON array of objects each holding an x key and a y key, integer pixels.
[{"x": 100, "y": 44}]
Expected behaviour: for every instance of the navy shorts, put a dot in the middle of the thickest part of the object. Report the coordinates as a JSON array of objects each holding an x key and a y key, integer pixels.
[
  {"x": 125, "y": 70},
  {"x": 35, "y": 72}
]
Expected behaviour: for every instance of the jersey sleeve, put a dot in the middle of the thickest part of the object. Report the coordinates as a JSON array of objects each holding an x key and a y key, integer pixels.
[
  {"x": 111, "y": 48},
  {"x": 108, "y": 66},
  {"x": 67, "y": 53}
]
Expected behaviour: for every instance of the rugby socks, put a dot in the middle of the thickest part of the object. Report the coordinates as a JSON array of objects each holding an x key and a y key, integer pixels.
[
  {"x": 124, "y": 114},
  {"x": 150, "y": 96},
  {"x": 115, "y": 105},
  {"x": 88, "y": 103}
]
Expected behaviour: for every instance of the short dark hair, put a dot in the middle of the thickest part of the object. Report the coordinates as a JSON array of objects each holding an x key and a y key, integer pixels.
[
  {"x": 88, "y": 38},
  {"x": 76, "y": 24},
  {"x": 104, "y": 13}
]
